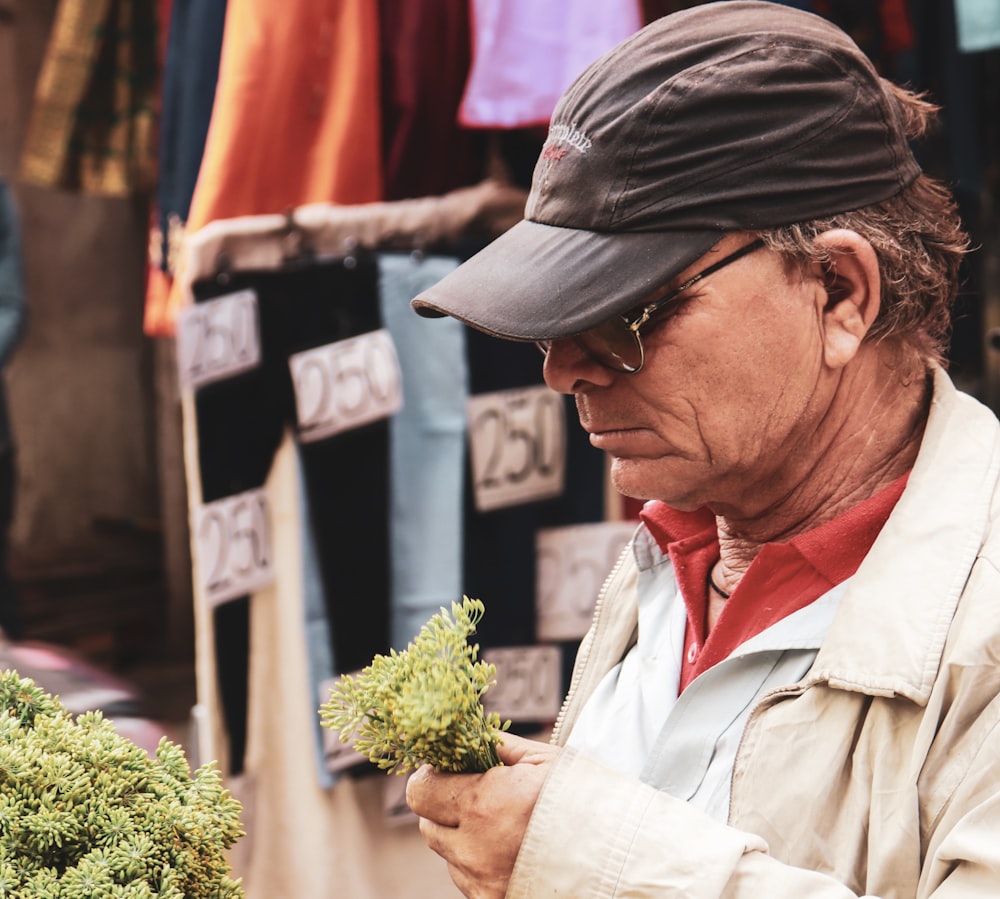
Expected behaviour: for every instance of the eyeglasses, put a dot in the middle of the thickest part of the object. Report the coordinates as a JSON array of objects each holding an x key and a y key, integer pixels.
[{"x": 617, "y": 343}]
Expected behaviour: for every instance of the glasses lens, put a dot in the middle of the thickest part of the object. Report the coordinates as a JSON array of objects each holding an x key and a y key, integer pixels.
[{"x": 613, "y": 343}]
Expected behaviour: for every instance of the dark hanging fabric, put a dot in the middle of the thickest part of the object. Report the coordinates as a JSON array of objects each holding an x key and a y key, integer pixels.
[
  {"x": 425, "y": 58},
  {"x": 967, "y": 86},
  {"x": 500, "y": 544},
  {"x": 518, "y": 149},
  {"x": 882, "y": 29},
  {"x": 191, "y": 70},
  {"x": 240, "y": 423},
  {"x": 231, "y": 623},
  {"x": 499, "y": 550},
  {"x": 13, "y": 317}
]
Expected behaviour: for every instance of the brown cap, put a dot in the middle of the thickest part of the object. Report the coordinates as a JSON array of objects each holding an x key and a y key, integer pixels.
[{"x": 729, "y": 116}]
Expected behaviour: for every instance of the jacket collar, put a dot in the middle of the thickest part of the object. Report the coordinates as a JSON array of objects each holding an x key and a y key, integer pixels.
[{"x": 890, "y": 630}]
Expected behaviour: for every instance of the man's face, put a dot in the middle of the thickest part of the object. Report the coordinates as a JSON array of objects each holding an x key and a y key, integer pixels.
[{"x": 732, "y": 387}]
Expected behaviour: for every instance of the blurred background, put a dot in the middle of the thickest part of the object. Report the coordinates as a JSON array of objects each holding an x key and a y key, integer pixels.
[{"x": 126, "y": 126}]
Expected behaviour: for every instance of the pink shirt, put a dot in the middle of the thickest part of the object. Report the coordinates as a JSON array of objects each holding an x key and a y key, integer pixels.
[{"x": 526, "y": 53}]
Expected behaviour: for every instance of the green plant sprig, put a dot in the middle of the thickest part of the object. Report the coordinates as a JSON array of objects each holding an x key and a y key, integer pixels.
[
  {"x": 85, "y": 813},
  {"x": 423, "y": 705}
]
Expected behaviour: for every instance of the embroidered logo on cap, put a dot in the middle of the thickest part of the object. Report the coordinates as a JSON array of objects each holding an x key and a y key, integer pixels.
[{"x": 561, "y": 138}]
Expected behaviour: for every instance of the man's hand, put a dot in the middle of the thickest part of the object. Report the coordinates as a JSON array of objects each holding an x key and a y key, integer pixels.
[{"x": 476, "y": 822}]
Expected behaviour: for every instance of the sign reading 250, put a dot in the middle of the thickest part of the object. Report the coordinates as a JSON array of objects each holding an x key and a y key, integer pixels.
[
  {"x": 517, "y": 446},
  {"x": 346, "y": 384}
]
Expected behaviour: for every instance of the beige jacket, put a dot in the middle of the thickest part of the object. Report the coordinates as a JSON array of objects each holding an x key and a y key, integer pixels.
[{"x": 877, "y": 775}]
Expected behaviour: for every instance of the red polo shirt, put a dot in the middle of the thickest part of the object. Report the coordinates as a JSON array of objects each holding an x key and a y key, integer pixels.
[{"x": 783, "y": 578}]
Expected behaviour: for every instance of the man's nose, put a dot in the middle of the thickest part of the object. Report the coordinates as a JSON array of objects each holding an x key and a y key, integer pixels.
[{"x": 569, "y": 369}]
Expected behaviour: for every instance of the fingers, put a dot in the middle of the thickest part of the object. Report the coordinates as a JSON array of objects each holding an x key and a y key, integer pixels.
[
  {"x": 437, "y": 836},
  {"x": 436, "y": 796},
  {"x": 517, "y": 750},
  {"x": 480, "y": 855},
  {"x": 476, "y": 822},
  {"x": 447, "y": 798}
]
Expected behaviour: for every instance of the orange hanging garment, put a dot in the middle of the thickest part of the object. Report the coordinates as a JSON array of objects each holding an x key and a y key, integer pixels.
[{"x": 296, "y": 118}]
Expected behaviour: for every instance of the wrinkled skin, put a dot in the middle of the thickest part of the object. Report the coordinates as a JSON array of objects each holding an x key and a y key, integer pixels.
[
  {"x": 476, "y": 822},
  {"x": 759, "y": 399}
]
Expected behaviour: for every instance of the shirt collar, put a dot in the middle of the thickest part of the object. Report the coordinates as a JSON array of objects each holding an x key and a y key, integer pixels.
[{"x": 783, "y": 578}]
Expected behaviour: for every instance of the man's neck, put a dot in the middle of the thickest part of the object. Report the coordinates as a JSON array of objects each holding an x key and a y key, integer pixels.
[{"x": 865, "y": 439}]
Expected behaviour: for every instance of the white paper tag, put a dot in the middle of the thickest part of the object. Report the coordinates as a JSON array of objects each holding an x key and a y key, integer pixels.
[
  {"x": 337, "y": 755},
  {"x": 571, "y": 565},
  {"x": 517, "y": 446},
  {"x": 529, "y": 683},
  {"x": 346, "y": 384},
  {"x": 217, "y": 339},
  {"x": 233, "y": 546}
]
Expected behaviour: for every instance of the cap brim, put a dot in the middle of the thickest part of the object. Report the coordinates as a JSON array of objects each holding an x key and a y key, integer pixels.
[{"x": 540, "y": 282}]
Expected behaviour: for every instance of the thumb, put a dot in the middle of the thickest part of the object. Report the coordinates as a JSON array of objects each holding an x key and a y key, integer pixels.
[{"x": 517, "y": 750}]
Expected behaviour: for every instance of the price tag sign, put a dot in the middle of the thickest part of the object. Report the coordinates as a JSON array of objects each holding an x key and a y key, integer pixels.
[
  {"x": 517, "y": 446},
  {"x": 529, "y": 683},
  {"x": 571, "y": 566},
  {"x": 233, "y": 546},
  {"x": 337, "y": 756},
  {"x": 218, "y": 339},
  {"x": 346, "y": 384}
]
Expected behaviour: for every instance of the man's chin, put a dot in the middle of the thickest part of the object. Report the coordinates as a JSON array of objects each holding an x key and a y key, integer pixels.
[{"x": 633, "y": 478}]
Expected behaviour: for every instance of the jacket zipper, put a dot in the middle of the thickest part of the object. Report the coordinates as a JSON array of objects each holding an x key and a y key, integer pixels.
[{"x": 581, "y": 662}]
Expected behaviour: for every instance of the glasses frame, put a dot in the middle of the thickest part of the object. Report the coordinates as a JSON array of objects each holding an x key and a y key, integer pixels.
[{"x": 635, "y": 321}]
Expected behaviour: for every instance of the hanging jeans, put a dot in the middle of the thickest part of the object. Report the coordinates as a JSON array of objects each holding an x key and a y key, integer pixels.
[
  {"x": 240, "y": 424},
  {"x": 499, "y": 556},
  {"x": 426, "y": 447},
  {"x": 426, "y": 467}
]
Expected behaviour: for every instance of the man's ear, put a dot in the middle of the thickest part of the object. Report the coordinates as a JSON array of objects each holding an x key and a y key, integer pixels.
[{"x": 853, "y": 294}]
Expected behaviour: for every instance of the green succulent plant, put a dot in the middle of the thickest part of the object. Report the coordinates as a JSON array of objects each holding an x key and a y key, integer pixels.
[
  {"x": 424, "y": 703},
  {"x": 85, "y": 813}
]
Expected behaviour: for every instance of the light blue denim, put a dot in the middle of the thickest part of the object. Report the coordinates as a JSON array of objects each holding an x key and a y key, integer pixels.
[
  {"x": 316, "y": 626},
  {"x": 426, "y": 447},
  {"x": 426, "y": 475}
]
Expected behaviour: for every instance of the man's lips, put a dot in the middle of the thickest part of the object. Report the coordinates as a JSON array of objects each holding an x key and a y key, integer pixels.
[{"x": 612, "y": 438}]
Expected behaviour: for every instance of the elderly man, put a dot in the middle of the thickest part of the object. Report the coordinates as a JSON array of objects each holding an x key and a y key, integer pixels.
[{"x": 732, "y": 261}]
